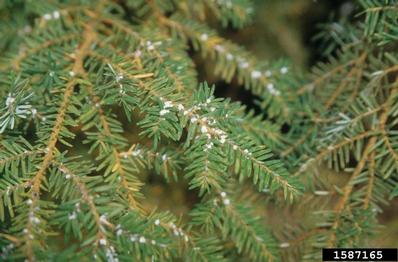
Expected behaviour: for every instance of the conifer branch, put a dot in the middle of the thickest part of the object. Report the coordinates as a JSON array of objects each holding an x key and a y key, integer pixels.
[
  {"x": 4, "y": 161},
  {"x": 341, "y": 204},
  {"x": 248, "y": 71},
  {"x": 117, "y": 24},
  {"x": 77, "y": 67},
  {"x": 264, "y": 251},
  {"x": 371, "y": 180},
  {"x": 42, "y": 46},
  {"x": 88, "y": 199},
  {"x": 102, "y": 99},
  {"x": 322, "y": 78},
  {"x": 118, "y": 165}
]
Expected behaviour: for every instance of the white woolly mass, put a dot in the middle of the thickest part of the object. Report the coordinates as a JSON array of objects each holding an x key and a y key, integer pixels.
[
  {"x": 47, "y": 17},
  {"x": 142, "y": 239},
  {"x": 102, "y": 241},
  {"x": 56, "y": 15},
  {"x": 284, "y": 245},
  {"x": 194, "y": 119},
  {"x": 272, "y": 90},
  {"x": 226, "y": 201},
  {"x": 321, "y": 192},
  {"x": 256, "y": 74},
  {"x": 163, "y": 112},
  {"x": 72, "y": 216},
  {"x": 284, "y": 70},
  {"x": 136, "y": 152},
  {"x": 204, "y": 37}
]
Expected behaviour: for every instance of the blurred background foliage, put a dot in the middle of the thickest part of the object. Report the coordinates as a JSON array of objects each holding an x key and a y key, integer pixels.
[{"x": 301, "y": 32}]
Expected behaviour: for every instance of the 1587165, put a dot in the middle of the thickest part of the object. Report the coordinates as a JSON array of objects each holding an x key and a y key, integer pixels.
[{"x": 359, "y": 254}]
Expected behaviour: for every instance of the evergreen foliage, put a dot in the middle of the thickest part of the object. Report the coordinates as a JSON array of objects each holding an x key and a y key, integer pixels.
[{"x": 97, "y": 71}]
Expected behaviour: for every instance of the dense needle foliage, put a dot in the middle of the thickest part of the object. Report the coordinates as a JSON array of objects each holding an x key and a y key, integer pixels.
[{"x": 94, "y": 94}]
